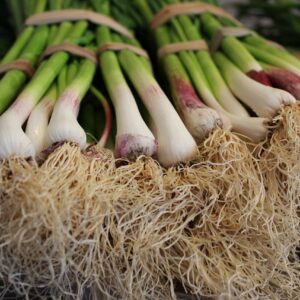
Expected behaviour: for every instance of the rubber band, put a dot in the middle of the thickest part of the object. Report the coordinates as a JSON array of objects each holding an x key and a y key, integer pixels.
[
  {"x": 120, "y": 47},
  {"x": 174, "y": 10},
  {"x": 21, "y": 65},
  {"x": 227, "y": 31},
  {"x": 184, "y": 46},
  {"x": 275, "y": 44},
  {"x": 53, "y": 17},
  {"x": 72, "y": 49}
]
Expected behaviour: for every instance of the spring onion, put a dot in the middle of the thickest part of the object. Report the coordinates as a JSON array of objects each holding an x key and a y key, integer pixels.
[
  {"x": 63, "y": 125},
  {"x": 14, "y": 117}
]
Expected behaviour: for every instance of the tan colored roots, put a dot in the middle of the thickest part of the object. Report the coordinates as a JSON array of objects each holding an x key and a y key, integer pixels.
[
  {"x": 67, "y": 227},
  {"x": 218, "y": 238},
  {"x": 78, "y": 226},
  {"x": 279, "y": 161}
]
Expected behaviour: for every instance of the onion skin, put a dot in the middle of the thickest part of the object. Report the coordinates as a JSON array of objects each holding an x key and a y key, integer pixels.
[
  {"x": 37, "y": 125},
  {"x": 260, "y": 76},
  {"x": 265, "y": 101},
  {"x": 199, "y": 119},
  {"x": 285, "y": 80},
  {"x": 13, "y": 140},
  {"x": 63, "y": 125}
]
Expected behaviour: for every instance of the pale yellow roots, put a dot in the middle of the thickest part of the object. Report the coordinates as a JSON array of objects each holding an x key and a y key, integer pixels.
[
  {"x": 67, "y": 227},
  {"x": 78, "y": 225},
  {"x": 214, "y": 235},
  {"x": 279, "y": 161}
]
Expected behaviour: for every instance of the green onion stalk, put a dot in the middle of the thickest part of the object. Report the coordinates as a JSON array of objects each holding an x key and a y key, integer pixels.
[
  {"x": 235, "y": 50},
  {"x": 14, "y": 142},
  {"x": 244, "y": 75},
  {"x": 210, "y": 84},
  {"x": 29, "y": 46},
  {"x": 134, "y": 137},
  {"x": 199, "y": 119},
  {"x": 206, "y": 78},
  {"x": 281, "y": 67},
  {"x": 37, "y": 123},
  {"x": 63, "y": 124}
]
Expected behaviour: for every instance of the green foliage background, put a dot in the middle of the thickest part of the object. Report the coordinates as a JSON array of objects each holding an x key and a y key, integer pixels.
[
  {"x": 7, "y": 29},
  {"x": 278, "y": 20}
]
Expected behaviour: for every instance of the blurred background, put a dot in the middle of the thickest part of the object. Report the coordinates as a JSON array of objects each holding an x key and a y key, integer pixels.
[{"x": 278, "y": 20}]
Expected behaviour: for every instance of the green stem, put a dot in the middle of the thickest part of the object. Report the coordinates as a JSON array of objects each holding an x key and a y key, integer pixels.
[
  {"x": 15, "y": 9},
  {"x": 47, "y": 73},
  {"x": 145, "y": 9},
  {"x": 271, "y": 59},
  {"x": 72, "y": 72},
  {"x": 18, "y": 46},
  {"x": 263, "y": 44},
  {"x": 52, "y": 34},
  {"x": 63, "y": 30},
  {"x": 14, "y": 80},
  {"x": 233, "y": 48},
  {"x": 84, "y": 77},
  {"x": 62, "y": 80},
  {"x": 40, "y": 6}
]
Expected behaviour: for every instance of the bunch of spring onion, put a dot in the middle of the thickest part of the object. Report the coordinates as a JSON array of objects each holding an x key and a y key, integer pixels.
[
  {"x": 265, "y": 78},
  {"x": 189, "y": 71},
  {"x": 49, "y": 105},
  {"x": 272, "y": 93},
  {"x": 134, "y": 138},
  {"x": 14, "y": 142},
  {"x": 69, "y": 191}
]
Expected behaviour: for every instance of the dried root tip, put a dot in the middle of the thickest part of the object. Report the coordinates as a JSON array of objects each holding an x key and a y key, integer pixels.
[
  {"x": 202, "y": 121},
  {"x": 181, "y": 154},
  {"x": 132, "y": 146}
]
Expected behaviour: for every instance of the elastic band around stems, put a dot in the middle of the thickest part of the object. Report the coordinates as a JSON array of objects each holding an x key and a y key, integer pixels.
[
  {"x": 53, "y": 17},
  {"x": 72, "y": 49},
  {"x": 227, "y": 31},
  {"x": 120, "y": 47},
  {"x": 19, "y": 64},
  {"x": 275, "y": 44},
  {"x": 174, "y": 10},
  {"x": 184, "y": 46}
]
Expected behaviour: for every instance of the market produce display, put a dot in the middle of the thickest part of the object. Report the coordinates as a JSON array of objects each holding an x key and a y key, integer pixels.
[{"x": 149, "y": 149}]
